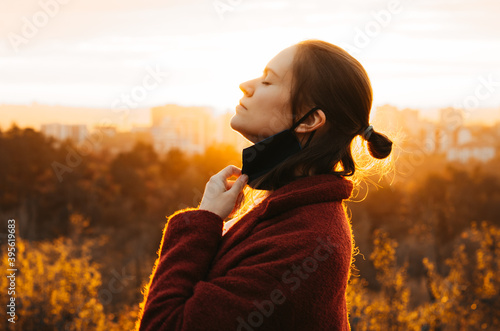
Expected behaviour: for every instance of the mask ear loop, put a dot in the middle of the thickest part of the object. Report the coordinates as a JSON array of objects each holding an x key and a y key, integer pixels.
[
  {"x": 303, "y": 118},
  {"x": 309, "y": 139}
]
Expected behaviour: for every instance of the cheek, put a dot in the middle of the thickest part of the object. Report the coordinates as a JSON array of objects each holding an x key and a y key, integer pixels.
[
  {"x": 280, "y": 111},
  {"x": 278, "y": 122},
  {"x": 279, "y": 97},
  {"x": 273, "y": 95}
]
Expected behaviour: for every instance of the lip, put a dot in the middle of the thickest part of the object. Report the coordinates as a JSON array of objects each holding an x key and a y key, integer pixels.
[{"x": 242, "y": 105}]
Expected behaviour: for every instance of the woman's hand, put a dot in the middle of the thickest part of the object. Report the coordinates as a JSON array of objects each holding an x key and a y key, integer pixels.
[{"x": 221, "y": 196}]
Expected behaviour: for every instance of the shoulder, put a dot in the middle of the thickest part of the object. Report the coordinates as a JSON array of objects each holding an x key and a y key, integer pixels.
[
  {"x": 299, "y": 231},
  {"x": 316, "y": 218}
]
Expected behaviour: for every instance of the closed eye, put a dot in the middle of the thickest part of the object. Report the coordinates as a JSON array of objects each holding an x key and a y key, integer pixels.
[{"x": 264, "y": 79}]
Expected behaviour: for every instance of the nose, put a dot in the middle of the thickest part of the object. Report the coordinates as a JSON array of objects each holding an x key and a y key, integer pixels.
[{"x": 247, "y": 88}]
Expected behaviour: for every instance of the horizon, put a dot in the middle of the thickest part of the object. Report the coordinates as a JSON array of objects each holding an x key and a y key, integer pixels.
[
  {"x": 420, "y": 55},
  {"x": 142, "y": 117}
]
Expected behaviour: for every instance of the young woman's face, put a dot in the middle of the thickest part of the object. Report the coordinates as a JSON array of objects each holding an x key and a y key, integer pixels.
[{"x": 264, "y": 109}]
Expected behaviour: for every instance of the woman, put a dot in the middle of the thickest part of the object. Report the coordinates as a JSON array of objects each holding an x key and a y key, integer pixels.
[{"x": 285, "y": 263}]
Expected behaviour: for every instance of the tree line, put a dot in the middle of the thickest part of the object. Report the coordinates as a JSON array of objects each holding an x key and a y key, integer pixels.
[{"x": 427, "y": 245}]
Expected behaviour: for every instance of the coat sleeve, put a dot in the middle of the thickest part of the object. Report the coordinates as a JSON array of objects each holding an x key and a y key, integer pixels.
[{"x": 247, "y": 297}]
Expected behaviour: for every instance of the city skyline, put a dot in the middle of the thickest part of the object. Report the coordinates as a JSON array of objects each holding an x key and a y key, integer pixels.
[
  {"x": 125, "y": 120},
  {"x": 194, "y": 129},
  {"x": 421, "y": 55}
]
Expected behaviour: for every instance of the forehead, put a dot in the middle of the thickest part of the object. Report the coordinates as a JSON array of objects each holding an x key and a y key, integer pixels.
[{"x": 281, "y": 64}]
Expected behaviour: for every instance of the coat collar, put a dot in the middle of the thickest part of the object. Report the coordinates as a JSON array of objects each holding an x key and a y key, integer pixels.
[
  {"x": 300, "y": 192},
  {"x": 305, "y": 191}
]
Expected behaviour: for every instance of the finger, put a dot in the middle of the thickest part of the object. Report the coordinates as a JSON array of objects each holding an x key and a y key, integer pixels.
[
  {"x": 228, "y": 171},
  {"x": 239, "y": 184},
  {"x": 230, "y": 184},
  {"x": 225, "y": 173}
]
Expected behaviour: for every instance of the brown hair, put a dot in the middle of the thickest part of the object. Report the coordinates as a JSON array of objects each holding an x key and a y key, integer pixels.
[{"x": 326, "y": 76}]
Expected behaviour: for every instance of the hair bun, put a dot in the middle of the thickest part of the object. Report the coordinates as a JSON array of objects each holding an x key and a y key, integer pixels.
[{"x": 379, "y": 145}]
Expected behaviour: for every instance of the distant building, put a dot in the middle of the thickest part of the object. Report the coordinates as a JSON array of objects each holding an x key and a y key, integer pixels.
[
  {"x": 109, "y": 131},
  {"x": 140, "y": 129},
  {"x": 404, "y": 124},
  {"x": 226, "y": 134},
  {"x": 448, "y": 136},
  {"x": 451, "y": 119},
  {"x": 389, "y": 118},
  {"x": 76, "y": 133},
  {"x": 410, "y": 122},
  {"x": 474, "y": 142},
  {"x": 188, "y": 128},
  {"x": 496, "y": 129},
  {"x": 480, "y": 151},
  {"x": 464, "y": 136},
  {"x": 428, "y": 135}
]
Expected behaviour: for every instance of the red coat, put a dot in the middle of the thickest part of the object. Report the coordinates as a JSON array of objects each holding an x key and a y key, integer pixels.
[{"x": 282, "y": 266}]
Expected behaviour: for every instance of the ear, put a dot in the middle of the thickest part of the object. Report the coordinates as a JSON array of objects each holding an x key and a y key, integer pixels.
[{"x": 315, "y": 121}]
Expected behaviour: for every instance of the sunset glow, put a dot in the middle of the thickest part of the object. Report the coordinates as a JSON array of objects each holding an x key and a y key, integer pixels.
[
  {"x": 137, "y": 193},
  {"x": 422, "y": 55}
]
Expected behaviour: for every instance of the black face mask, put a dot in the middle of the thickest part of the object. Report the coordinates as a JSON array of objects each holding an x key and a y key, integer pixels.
[{"x": 266, "y": 154}]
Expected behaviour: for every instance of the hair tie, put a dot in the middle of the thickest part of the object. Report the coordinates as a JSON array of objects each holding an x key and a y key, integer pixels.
[{"x": 367, "y": 133}]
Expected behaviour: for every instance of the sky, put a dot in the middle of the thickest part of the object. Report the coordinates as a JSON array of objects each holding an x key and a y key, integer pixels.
[{"x": 131, "y": 54}]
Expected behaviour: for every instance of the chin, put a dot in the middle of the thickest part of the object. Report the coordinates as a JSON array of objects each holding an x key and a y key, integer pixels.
[
  {"x": 235, "y": 123},
  {"x": 239, "y": 126}
]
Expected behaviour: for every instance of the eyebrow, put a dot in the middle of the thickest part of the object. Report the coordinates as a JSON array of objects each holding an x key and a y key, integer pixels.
[{"x": 271, "y": 70}]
